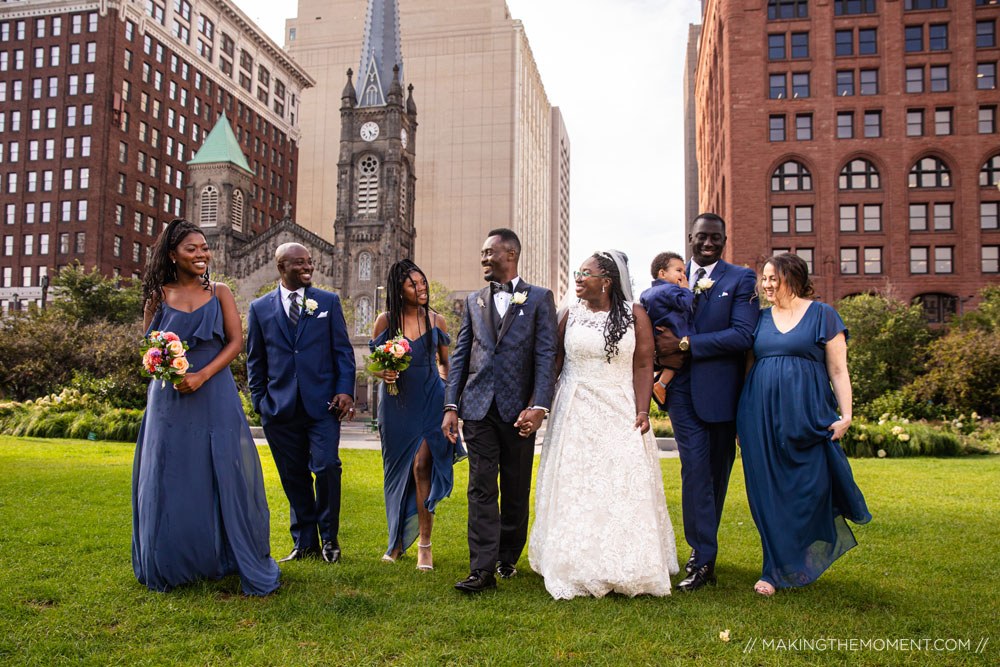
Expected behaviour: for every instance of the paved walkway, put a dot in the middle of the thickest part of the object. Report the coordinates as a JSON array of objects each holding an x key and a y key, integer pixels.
[{"x": 357, "y": 435}]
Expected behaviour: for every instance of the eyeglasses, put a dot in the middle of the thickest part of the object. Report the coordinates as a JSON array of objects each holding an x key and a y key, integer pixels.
[{"x": 588, "y": 274}]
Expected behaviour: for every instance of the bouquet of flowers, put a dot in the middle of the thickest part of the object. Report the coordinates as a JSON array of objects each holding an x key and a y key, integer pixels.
[
  {"x": 394, "y": 355},
  {"x": 164, "y": 357}
]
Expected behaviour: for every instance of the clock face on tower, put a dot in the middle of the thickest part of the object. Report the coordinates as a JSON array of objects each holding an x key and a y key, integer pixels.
[
  {"x": 369, "y": 131},
  {"x": 403, "y": 137}
]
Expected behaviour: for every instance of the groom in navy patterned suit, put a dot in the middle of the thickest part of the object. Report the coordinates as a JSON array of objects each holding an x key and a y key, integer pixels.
[
  {"x": 702, "y": 396},
  {"x": 300, "y": 366},
  {"x": 501, "y": 383}
]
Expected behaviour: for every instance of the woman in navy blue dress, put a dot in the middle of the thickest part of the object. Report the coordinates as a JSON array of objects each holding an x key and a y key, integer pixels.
[
  {"x": 199, "y": 510},
  {"x": 417, "y": 459},
  {"x": 799, "y": 482}
]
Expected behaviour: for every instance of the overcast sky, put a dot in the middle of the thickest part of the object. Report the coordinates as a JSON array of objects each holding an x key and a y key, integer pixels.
[{"x": 615, "y": 68}]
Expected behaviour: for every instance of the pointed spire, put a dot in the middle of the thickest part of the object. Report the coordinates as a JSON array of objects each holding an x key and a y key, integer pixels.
[
  {"x": 380, "y": 51},
  {"x": 221, "y": 145},
  {"x": 348, "y": 97},
  {"x": 395, "y": 94},
  {"x": 411, "y": 106}
]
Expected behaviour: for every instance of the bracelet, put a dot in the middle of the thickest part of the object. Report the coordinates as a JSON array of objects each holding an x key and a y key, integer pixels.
[{"x": 641, "y": 413}]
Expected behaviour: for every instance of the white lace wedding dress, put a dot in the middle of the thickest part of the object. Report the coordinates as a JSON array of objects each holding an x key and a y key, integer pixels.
[{"x": 601, "y": 521}]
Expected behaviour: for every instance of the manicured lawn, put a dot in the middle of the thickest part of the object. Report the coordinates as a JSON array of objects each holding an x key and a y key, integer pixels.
[{"x": 926, "y": 568}]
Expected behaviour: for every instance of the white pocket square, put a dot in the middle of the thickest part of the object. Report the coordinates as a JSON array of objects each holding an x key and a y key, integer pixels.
[
  {"x": 520, "y": 313},
  {"x": 724, "y": 294},
  {"x": 323, "y": 314}
]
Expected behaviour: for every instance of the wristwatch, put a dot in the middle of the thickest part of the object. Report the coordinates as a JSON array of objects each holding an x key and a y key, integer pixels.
[{"x": 685, "y": 344}]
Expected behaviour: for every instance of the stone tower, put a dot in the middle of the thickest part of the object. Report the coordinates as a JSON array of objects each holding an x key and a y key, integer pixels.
[
  {"x": 374, "y": 223},
  {"x": 219, "y": 193}
]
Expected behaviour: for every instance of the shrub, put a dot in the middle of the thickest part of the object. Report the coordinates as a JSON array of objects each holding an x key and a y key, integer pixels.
[
  {"x": 964, "y": 372},
  {"x": 662, "y": 428},
  {"x": 90, "y": 297},
  {"x": 70, "y": 414},
  {"x": 905, "y": 403},
  {"x": 888, "y": 344},
  {"x": 899, "y": 438}
]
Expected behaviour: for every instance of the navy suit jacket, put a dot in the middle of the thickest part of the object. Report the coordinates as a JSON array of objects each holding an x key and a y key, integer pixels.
[
  {"x": 515, "y": 367},
  {"x": 725, "y": 317},
  {"x": 315, "y": 360}
]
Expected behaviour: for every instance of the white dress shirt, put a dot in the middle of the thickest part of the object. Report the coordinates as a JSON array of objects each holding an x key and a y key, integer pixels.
[
  {"x": 694, "y": 269},
  {"x": 286, "y": 302},
  {"x": 502, "y": 299}
]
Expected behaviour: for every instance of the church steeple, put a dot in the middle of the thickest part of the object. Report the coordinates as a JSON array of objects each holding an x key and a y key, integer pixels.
[{"x": 380, "y": 52}]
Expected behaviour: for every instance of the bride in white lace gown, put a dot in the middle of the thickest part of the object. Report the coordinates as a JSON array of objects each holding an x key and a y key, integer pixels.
[{"x": 601, "y": 521}]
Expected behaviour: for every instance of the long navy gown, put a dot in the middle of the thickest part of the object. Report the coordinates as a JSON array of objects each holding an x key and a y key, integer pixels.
[
  {"x": 799, "y": 482},
  {"x": 405, "y": 421},
  {"x": 199, "y": 510}
]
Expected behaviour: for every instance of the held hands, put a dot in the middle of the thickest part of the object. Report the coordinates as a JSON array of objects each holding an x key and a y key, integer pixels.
[
  {"x": 343, "y": 405},
  {"x": 642, "y": 423},
  {"x": 190, "y": 383},
  {"x": 449, "y": 426},
  {"x": 839, "y": 428},
  {"x": 529, "y": 421}
]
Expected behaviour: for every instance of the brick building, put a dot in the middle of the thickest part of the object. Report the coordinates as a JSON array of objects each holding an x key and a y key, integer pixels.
[
  {"x": 102, "y": 105},
  {"x": 861, "y": 134}
]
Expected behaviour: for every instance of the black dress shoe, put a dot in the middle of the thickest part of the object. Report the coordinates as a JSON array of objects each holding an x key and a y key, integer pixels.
[
  {"x": 701, "y": 576},
  {"x": 505, "y": 570},
  {"x": 331, "y": 551},
  {"x": 298, "y": 553},
  {"x": 689, "y": 566},
  {"x": 477, "y": 582}
]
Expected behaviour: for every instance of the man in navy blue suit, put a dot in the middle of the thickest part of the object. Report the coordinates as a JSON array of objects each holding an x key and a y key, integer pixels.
[
  {"x": 702, "y": 397},
  {"x": 300, "y": 365},
  {"x": 501, "y": 382}
]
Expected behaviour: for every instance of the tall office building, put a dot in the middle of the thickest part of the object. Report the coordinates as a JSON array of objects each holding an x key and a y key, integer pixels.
[
  {"x": 102, "y": 106},
  {"x": 860, "y": 134},
  {"x": 485, "y": 153}
]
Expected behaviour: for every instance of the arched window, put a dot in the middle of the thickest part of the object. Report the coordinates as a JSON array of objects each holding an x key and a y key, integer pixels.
[
  {"x": 363, "y": 316},
  {"x": 371, "y": 96},
  {"x": 989, "y": 175},
  {"x": 368, "y": 185},
  {"x": 787, "y": 9},
  {"x": 930, "y": 172},
  {"x": 791, "y": 176},
  {"x": 938, "y": 307},
  {"x": 859, "y": 174},
  {"x": 365, "y": 266},
  {"x": 209, "y": 206},
  {"x": 404, "y": 184},
  {"x": 237, "y": 210}
]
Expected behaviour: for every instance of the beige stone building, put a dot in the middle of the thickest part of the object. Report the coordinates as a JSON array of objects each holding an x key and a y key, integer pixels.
[{"x": 486, "y": 139}]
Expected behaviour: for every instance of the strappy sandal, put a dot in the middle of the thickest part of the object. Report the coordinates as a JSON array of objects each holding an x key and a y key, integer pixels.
[
  {"x": 763, "y": 588},
  {"x": 424, "y": 568}
]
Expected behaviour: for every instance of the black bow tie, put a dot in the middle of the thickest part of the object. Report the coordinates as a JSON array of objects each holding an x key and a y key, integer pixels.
[{"x": 502, "y": 287}]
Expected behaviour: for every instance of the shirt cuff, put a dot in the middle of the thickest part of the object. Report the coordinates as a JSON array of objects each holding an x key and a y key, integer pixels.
[
  {"x": 450, "y": 406},
  {"x": 539, "y": 407}
]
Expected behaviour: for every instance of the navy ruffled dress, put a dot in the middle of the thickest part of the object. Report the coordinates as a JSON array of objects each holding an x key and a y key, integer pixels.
[
  {"x": 669, "y": 305},
  {"x": 199, "y": 510},
  {"x": 799, "y": 483},
  {"x": 405, "y": 421}
]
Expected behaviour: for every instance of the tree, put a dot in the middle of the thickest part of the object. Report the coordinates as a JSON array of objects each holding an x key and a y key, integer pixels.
[
  {"x": 89, "y": 297},
  {"x": 888, "y": 343},
  {"x": 440, "y": 301}
]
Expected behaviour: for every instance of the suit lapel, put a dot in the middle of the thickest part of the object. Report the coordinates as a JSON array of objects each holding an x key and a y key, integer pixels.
[
  {"x": 512, "y": 310},
  {"x": 302, "y": 315},
  {"x": 279, "y": 314},
  {"x": 482, "y": 314},
  {"x": 702, "y": 299}
]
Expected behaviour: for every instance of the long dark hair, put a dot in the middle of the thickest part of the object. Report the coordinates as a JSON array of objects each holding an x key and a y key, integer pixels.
[
  {"x": 161, "y": 270},
  {"x": 399, "y": 273},
  {"x": 620, "y": 316}
]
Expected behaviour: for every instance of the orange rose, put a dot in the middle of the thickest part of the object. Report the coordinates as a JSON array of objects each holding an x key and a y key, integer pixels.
[
  {"x": 176, "y": 348},
  {"x": 180, "y": 364}
]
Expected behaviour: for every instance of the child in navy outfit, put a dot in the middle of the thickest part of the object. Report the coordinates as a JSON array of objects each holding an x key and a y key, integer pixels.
[{"x": 669, "y": 303}]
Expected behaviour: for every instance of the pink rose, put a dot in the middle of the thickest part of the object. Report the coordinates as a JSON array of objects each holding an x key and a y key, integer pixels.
[
  {"x": 405, "y": 343},
  {"x": 170, "y": 336},
  {"x": 180, "y": 364},
  {"x": 176, "y": 348},
  {"x": 397, "y": 351}
]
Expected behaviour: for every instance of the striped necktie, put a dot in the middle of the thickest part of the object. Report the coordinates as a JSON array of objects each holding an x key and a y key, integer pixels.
[{"x": 293, "y": 309}]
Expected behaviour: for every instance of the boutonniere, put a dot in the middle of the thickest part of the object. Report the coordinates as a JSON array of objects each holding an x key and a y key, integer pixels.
[
  {"x": 703, "y": 285},
  {"x": 310, "y": 306},
  {"x": 480, "y": 302},
  {"x": 518, "y": 298}
]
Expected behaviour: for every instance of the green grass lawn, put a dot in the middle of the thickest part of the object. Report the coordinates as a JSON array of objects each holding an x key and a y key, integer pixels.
[{"x": 925, "y": 568}]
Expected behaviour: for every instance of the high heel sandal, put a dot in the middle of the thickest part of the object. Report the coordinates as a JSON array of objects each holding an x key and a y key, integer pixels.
[
  {"x": 425, "y": 568},
  {"x": 386, "y": 558}
]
